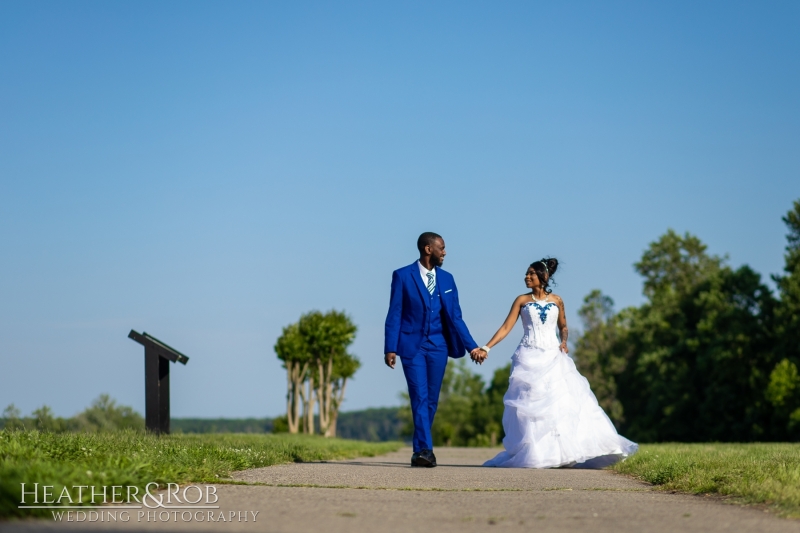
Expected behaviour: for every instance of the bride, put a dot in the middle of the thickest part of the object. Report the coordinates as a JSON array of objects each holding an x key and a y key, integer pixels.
[{"x": 551, "y": 418}]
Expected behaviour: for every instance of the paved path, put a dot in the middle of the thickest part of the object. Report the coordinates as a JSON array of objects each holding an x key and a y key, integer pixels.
[{"x": 383, "y": 494}]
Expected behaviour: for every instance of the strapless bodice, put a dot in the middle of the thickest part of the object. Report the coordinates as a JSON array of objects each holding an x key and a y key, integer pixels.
[{"x": 540, "y": 323}]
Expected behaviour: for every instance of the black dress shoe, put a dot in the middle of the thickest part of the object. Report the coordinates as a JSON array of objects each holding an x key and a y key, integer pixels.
[
  {"x": 426, "y": 458},
  {"x": 414, "y": 458}
]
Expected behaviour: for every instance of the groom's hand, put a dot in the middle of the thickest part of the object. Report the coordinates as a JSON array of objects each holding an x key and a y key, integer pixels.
[
  {"x": 390, "y": 359},
  {"x": 478, "y": 355}
]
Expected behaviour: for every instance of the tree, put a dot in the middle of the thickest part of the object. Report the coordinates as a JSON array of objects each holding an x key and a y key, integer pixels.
[
  {"x": 46, "y": 421},
  {"x": 787, "y": 319},
  {"x": 291, "y": 349},
  {"x": 344, "y": 367},
  {"x": 327, "y": 337},
  {"x": 783, "y": 393},
  {"x": 651, "y": 373},
  {"x": 105, "y": 415},
  {"x": 673, "y": 265},
  {"x": 11, "y": 418},
  {"x": 692, "y": 363},
  {"x": 493, "y": 433},
  {"x": 314, "y": 353},
  {"x": 595, "y": 354},
  {"x": 729, "y": 345},
  {"x": 461, "y": 393}
]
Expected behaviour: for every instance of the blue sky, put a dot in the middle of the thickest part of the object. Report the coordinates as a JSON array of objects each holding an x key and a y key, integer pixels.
[{"x": 208, "y": 171}]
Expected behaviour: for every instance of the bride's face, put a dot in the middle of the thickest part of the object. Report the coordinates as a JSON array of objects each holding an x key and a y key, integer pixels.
[{"x": 531, "y": 279}]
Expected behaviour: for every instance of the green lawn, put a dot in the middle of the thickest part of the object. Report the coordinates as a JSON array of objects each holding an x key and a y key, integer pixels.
[
  {"x": 133, "y": 458},
  {"x": 767, "y": 474}
]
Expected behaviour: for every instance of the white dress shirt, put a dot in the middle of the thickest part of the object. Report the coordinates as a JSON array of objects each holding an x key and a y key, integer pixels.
[{"x": 424, "y": 273}]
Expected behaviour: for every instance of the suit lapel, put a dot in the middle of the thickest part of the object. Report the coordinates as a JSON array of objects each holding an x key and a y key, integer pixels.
[
  {"x": 423, "y": 291},
  {"x": 441, "y": 290}
]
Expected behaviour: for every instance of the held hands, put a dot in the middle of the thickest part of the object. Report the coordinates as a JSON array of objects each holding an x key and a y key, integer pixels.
[{"x": 478, "y": 356}]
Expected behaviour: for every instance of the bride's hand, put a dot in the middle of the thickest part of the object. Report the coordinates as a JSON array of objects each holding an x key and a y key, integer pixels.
[
  {"x": 564, "y": 348},
  {"x": 474, "y": 355},
  {"x": 478, "y": 356}
]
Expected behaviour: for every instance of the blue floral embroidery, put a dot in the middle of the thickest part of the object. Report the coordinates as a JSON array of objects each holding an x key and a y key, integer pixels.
[{"x": 542, "y": 310}]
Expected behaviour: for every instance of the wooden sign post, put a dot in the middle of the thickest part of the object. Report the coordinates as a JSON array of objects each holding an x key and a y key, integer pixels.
[{"x": 157, "y": 356}]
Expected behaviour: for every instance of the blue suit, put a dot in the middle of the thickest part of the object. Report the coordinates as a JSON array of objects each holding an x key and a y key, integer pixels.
[{"x": 423, "y": 330}]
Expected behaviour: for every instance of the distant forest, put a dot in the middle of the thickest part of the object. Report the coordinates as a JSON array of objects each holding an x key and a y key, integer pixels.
[
  {"x": 377, "y": 424},
  {"x": 221, "y": 425}
]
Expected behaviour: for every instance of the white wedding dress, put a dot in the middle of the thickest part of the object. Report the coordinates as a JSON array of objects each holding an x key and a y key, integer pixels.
[{"x": 551, "y": 416}]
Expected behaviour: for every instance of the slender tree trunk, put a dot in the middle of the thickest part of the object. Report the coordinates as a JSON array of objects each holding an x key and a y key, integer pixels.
[
  {"x": 324, "y": 390},
  {"x": 309, "y": 407},
  {"x": 330, "y": 409},
  {"x": 295, "y": 377},
  {"x": 323, "y": 419},
  {"x": 294, "y": 426},
  {"x": 337, "y": 397},
  {"x": 332, "y": 426},
  {"x": 298, "y": 384},
  {"x": 302, "y": 418},
  {"x": 290, "y": 397}
]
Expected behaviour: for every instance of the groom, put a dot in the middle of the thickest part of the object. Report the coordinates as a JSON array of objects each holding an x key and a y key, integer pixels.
[{"x": 424, "y": 327}]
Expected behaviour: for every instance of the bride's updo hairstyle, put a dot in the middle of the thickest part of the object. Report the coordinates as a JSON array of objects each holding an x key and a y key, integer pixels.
[{"x": 544, "y": 270}]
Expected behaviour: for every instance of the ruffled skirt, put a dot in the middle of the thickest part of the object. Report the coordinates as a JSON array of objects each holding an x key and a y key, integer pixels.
[{"x": 552, "y": 419}]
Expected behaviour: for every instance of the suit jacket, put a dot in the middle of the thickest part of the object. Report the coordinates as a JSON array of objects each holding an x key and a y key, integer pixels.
[{"x": 409, "y": 301}]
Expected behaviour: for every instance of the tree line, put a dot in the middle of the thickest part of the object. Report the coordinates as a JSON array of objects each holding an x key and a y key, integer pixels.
[
  {"x": 104, "y": 414},
  {"x": 711, "y": 355}
]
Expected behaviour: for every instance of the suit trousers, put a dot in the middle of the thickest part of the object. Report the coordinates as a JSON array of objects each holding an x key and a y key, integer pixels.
[{"x": 424, "y": 373}]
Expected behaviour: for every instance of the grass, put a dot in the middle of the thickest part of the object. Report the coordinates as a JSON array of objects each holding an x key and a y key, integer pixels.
[
  {"x": 765, "y": 474},
  {"x": 135, "y": 458}
]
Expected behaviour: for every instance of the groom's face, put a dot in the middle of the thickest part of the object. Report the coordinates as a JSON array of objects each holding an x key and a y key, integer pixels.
[{"x": 437, "y": 252}]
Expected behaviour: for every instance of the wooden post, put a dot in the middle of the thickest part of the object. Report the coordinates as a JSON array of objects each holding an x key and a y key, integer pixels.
[
  {"x": 156, "y": 392},
  {"x": 157, "y": 356}
]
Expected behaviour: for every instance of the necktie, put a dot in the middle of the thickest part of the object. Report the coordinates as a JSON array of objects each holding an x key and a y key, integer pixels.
[{"x": 431, "y": 283}]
